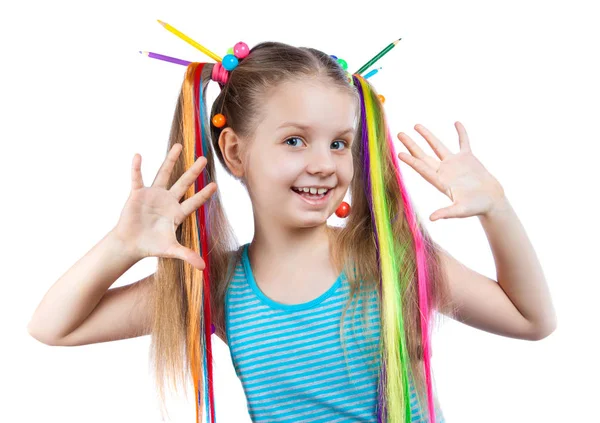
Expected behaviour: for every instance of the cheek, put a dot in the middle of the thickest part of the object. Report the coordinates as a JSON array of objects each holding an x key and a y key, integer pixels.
[
  {"x": 346, "y": 170},
  {"x": 280, "y": 170}
]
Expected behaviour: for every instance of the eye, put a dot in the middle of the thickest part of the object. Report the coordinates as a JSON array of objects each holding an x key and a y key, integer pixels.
[
  {"x": 293, "y": 139},
  {"x": 340, "y": 142}
]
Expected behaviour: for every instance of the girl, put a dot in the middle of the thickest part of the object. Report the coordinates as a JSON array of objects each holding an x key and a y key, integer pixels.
[{"x": 324, "y": 324}]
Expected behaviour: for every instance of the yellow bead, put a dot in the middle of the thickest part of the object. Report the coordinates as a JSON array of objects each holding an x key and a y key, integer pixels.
[{"x": 381, "y": 98}]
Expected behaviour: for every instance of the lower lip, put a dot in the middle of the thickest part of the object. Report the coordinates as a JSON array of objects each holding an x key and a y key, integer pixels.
[{"x": 315, "y": 202}]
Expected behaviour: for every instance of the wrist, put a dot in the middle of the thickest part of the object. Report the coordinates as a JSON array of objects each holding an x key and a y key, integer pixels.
[
  {"x": 123, "y": 246},
  {"x": 499, "y": 208}
]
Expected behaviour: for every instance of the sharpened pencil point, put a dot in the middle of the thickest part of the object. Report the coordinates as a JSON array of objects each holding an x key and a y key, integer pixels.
[{"x": 161, "y": 22}]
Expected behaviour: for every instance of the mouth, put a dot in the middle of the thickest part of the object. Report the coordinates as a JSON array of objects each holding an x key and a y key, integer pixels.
[{"x": 313, "y": 199}]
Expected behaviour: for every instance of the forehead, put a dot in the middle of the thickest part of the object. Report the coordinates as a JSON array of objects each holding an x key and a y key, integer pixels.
[{"x": 310, "y": 102}]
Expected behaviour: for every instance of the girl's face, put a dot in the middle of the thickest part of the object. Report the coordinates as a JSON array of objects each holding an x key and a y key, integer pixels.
[{"x": 303, "y": 141}]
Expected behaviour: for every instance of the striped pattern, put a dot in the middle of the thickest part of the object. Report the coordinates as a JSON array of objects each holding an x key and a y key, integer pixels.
[{"x": 290, "y": 361}]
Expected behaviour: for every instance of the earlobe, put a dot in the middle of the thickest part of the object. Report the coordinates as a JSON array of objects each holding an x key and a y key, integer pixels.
[{"x": 230, "y": 146}]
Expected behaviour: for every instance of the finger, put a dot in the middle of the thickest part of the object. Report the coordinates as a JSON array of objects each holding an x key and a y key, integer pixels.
[
  {"x": 412, "y": 146},
  {"x": 417, "y": 152},
  {"x": 195, "y": 201},
  {"x": 163, "y": 174},
  {"x": 440, "y": 149},
  {"x": 422, "y": 169},
  {"x": 463, "y": 138},
  {"x": 181, "y": 186},
  {"x": 137, "y": 181}
]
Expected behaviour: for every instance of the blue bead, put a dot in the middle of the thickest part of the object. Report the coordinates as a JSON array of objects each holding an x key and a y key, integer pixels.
[
  {"x": 333, "y": 57},
  {"x": 229, "y": 62}
]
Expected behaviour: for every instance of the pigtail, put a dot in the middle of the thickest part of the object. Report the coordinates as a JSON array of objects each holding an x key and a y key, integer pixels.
[
  {"x": 196, "y": 284},
  {"x": 382, "y": 182},
  {"x": 188, "y": 303}
]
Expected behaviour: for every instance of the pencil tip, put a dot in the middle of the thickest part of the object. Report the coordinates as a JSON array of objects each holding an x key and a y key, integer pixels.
[{"x": 161, "y": 22}]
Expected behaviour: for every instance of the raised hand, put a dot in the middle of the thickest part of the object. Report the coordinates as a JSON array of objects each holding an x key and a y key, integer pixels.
[
  {"x": 152, "y": 214},
  {"x": 460, "y": 176}
]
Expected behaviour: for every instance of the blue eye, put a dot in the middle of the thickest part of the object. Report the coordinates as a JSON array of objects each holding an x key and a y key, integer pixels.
[
  {"x": 290, "y": 139},
  {"x": 344, "y": 143},
  {"x": 340, "y": 144}
]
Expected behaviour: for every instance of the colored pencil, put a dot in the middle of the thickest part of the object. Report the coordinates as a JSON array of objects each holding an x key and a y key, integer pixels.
[
  {"x": 371, "y": 73},
  {"x": 377, "y": 56},
  {"x": 165, "y": 58},
  {"x": 190, "y": 41}
]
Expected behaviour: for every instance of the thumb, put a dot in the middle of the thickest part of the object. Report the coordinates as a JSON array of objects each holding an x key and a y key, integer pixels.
[
  {"x": 446, "y": 212},
  {"x": 190, "y": 256}
]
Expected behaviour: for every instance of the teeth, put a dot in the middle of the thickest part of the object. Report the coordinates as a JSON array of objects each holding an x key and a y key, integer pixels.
[{"x": 312, "y": 190}]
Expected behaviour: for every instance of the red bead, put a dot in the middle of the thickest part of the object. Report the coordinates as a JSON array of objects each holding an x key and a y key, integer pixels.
[
  {"x": 343, "y": 210},
  {"x": 219, "y": 120}
]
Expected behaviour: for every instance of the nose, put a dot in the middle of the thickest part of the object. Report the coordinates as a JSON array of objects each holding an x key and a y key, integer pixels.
[{"x": 320, "y": 161}]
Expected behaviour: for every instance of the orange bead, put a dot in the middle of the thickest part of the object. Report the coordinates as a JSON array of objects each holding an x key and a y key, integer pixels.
[
  {"x": 343, "y": 210},
  {"x": 381, "y": 98},
  {"x": 219, "y": 120}
]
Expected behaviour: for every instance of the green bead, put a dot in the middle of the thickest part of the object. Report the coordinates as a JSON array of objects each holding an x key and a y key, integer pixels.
[
  {"x": 230, "y": 51},
  {"x": 343, "y": 63}
]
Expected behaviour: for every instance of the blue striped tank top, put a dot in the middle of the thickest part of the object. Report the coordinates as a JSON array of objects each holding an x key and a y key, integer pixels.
[{"x": 289, "y": 358}]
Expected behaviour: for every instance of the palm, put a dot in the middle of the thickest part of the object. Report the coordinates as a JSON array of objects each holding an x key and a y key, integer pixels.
[{"x": 152, "y": 214}]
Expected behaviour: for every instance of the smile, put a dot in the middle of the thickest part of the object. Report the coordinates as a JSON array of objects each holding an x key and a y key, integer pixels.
[{"x": 314, "y": 199}]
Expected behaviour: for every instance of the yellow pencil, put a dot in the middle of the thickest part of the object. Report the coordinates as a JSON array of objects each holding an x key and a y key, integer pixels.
[{"x": 189, "y": 40}]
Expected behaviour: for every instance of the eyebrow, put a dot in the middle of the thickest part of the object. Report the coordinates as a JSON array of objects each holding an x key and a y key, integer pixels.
[{"x": 308, "y": 128}]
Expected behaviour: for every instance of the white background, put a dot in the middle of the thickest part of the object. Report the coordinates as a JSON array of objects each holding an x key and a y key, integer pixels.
[{"x": 78, "y": 101}]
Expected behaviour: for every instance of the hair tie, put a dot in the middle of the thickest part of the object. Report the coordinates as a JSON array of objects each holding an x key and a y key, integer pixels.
[{"x": 220, "y": 72}]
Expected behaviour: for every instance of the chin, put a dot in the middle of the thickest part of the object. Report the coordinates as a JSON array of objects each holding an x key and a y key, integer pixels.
[{"x": 310, "y": 221}]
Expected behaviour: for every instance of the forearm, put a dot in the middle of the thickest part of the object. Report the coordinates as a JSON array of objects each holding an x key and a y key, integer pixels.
[
  {"x": 518, "y": 269},
  {"x": 77, "y": 292}
]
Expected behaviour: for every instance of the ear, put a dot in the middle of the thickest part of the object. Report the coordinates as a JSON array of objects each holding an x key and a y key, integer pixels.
[{"x": 231, "y": 149}]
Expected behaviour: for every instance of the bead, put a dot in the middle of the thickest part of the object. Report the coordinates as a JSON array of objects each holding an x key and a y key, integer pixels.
[
  {"x": 230, "y": 50},
  {"x": 219, "y": 120},
  {"x": 343, "y": 210},
  {"x": 381, "y": 98},
  {"x": 343, "y": 63},
  {"x": 333, "y": 57},
  {"x": 229, "y": 62},
  {"x": 212, "y": 328},
  {"x": 241, "y": 50}
]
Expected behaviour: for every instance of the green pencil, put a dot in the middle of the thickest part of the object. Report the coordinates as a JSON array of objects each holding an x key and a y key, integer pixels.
[{"x": 378, "y": 56}]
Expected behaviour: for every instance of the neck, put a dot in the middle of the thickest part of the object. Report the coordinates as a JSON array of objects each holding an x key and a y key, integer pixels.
[{"x": 286, "y": 247}]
